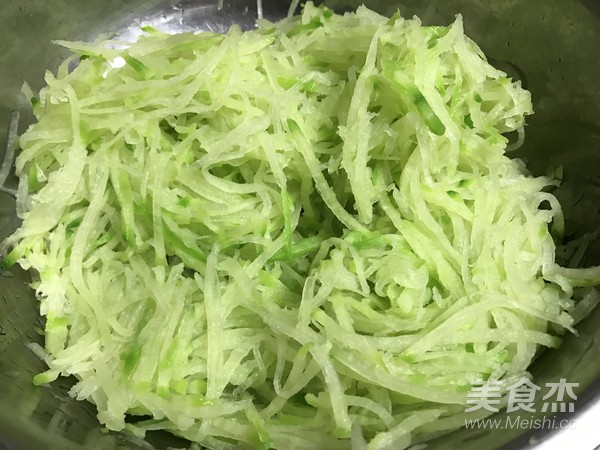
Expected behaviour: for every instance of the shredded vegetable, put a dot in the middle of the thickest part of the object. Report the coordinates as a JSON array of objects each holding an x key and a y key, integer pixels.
[
  {"x": 308, "y": 235},
  {"x": 9, "y": 154}
]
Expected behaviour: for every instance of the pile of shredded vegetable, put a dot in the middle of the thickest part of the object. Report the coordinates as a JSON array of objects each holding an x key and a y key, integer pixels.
[{"x": 304, "y": 236}]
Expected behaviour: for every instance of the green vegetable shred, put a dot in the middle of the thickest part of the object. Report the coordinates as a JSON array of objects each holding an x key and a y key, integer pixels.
[{"x": 304, "y": 236}]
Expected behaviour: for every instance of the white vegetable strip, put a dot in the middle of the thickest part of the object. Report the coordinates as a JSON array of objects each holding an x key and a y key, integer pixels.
[
  {"x": 214, "y": 325},
  {"x": 11, "y": 144},
  {"x": 303, "y": 236}
]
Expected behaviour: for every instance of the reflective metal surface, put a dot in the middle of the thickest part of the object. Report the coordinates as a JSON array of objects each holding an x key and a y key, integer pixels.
[{"x": 551, "y": 45}]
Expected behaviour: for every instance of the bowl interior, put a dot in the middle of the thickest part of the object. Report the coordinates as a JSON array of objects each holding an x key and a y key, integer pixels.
[{"x": 550, "y": 45}]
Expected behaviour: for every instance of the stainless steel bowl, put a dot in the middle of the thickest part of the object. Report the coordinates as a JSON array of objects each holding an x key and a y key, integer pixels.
[{"x": 551, "y": 45}]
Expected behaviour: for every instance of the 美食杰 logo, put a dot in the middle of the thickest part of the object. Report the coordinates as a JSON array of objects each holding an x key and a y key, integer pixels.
[{"x": 491, "y": 396}]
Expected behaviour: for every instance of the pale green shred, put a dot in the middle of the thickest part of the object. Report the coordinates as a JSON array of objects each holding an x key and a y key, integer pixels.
[{"x": 303, "y": 236}]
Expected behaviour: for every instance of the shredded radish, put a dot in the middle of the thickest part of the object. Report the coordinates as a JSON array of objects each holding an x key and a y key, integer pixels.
[{"x": 303, "y": 236}]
